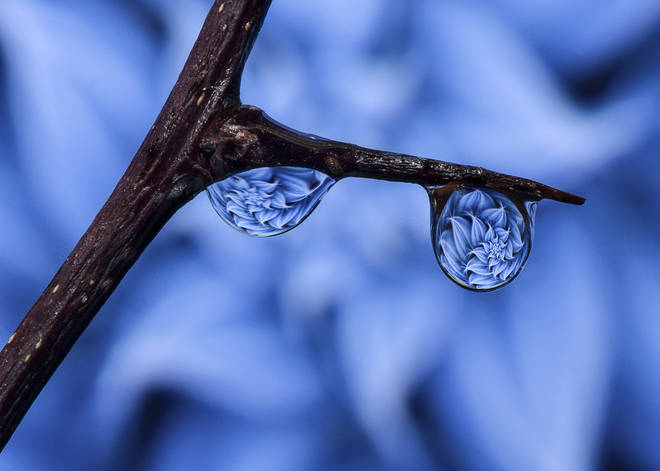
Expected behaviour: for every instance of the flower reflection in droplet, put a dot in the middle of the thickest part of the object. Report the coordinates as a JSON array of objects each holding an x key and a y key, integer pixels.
[
  {"x": 270, "y": 200},
  {"x": 482, "y": 238}
]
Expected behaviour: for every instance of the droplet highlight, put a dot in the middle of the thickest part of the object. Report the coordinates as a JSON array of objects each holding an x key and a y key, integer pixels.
[
  {"x": 269, "y": 201},
  {"x": 481, "y": 237}
]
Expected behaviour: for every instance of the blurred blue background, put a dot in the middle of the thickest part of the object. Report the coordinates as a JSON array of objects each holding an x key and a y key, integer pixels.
[{"x": 341, "y": 345}]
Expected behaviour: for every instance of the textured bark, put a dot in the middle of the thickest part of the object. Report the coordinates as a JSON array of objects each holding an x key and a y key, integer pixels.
[
  {"x": 202, "y": 135},
  {"x": 166, "y": 172}
]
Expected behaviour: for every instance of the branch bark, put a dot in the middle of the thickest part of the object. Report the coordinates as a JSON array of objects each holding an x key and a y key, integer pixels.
[
  {"x": 250, "y": 139},
  {"x": 202, "y": 135},
  {"x": 166, "y": 172}
]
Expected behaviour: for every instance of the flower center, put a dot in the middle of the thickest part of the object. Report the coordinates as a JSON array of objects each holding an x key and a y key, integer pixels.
[
  {"x": 255, "y": 199},
  {"x": 495, "y": 249}
]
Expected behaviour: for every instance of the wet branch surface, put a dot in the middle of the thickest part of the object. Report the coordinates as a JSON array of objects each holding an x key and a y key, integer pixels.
[{"x": 202, "y": 135}]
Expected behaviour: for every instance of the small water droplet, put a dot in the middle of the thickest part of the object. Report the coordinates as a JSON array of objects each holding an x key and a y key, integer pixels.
[
  {"x": 481, "y": 237},
  {"x": 270, "y": 200}
]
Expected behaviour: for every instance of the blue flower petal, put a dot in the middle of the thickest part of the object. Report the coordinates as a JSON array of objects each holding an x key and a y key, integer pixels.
[
  {"x": 461, "y": 230},
  {"x": 478, "y": 231}
]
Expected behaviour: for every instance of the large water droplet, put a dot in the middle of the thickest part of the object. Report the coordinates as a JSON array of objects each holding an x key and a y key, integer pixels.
[
  {"x": 481, "y": 237},
  {"x": 268, "y": 201}
]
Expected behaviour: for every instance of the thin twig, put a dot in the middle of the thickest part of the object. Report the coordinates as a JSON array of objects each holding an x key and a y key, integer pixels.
[
  {"x": 202, "y": 135},
  {"x": 250, "y": 139}
]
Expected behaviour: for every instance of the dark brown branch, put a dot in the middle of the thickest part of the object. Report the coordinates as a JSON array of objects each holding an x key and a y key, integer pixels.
[
  {"x": 250, "y": 139},
  {"x": 202, "y": 135},
  {"x": 165, "y": 173}
]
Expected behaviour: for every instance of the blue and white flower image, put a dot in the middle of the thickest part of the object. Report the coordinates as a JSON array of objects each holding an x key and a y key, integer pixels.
[
  {"x": 482, "y": 239},
  {"x": 269, "y": 201}
]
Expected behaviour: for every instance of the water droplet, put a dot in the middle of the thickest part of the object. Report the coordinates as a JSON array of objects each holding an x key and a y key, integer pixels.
[
  {"x": 481, "y": 237},
  {"x": 270, "y": 200}
]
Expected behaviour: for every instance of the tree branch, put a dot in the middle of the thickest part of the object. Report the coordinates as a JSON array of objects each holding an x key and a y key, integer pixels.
[
  {"x": 202, "y": 135},
  {"x": 250, "y": 139},
  {"x": 166, "y": 172}
]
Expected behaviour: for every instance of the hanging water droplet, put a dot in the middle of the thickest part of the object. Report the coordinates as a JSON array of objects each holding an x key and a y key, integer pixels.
[
  {"x": 481, "y": 237},
  {"x": 270, "y": 200}
]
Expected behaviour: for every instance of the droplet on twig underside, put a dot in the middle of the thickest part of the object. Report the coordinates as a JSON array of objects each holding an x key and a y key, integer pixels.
[
  {"x": 481, "y": 237},
  {"x": 269, "y": 201}
]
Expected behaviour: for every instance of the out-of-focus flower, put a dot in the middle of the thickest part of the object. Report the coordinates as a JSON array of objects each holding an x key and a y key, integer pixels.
[{"x": 482, "y": 239}]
